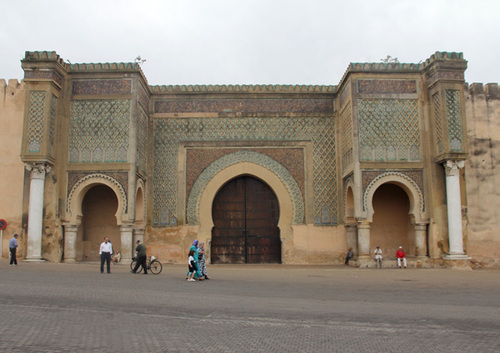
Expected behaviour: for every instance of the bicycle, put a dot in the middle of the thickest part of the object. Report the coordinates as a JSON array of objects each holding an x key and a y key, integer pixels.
[{"x": 152, "y": 264}]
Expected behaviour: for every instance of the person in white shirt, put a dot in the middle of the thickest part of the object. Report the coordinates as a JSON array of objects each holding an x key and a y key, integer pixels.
[
  {"x": 378, "y": 256},
  {"x": 105, "y": 251}
]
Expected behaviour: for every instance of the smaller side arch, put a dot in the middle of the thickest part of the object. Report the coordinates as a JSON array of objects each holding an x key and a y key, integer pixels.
[
  {"x": 76, "y": 195},
  {"x": 349, "y": 207},
  {"x": 414, "y": 193},
  {"x": 140, "y": 201}
]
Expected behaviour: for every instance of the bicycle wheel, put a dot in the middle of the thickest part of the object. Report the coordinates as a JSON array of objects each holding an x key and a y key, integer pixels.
[
  {"x": 132, "y": 264},
  {"x": 156, "y": 267}
]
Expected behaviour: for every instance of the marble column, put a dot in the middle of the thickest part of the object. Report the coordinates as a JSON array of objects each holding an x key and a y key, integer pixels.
[
  {"x": 127, "y": 249},
  {"x": 454, "y": 204},
  {"x": 35, "y": 210},
  {"x": 364, "y": 259},
  {"x": 420, "y": 239},
  {"x": 138, "y": 234},
  {"x": 70, "y": 232},
  {"x": 352, "y": 237}
]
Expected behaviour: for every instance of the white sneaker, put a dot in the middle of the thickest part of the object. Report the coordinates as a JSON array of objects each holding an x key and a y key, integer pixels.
[{"x": 192, "y": 280}]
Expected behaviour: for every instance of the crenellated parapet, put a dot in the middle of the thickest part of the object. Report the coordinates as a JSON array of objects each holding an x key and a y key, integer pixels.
[
  {"x": 489, "y": 91},
  {"x": 243, "y": 89},
  {"x": 43, "y": 56},
  {"x": 10, "y": 87},
  {"x": 48, "y": 65},
  {"x": 443, "y": 55},
  {"x": 95, "y": 68},
  {"x": 105, "y": 66},
  {"x": 451, "y": 60}
]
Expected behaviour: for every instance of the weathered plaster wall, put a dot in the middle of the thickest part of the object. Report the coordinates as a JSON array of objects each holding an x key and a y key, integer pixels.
[
  {"x": 308, "y": 244},
  {"x": 12, "y": 96},
  {"x": 483, "y": 174}
]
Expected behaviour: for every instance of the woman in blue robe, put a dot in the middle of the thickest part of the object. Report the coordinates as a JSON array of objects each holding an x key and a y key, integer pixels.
[{"x": 197, "y": 273}]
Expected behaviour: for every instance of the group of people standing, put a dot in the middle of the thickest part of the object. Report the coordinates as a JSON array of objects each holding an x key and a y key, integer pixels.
[
  {"x": 197, "y": 266},
  {"x": 400, "y": 255}
]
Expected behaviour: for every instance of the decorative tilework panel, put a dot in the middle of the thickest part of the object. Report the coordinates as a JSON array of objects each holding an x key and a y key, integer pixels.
[
  {"x": 52, "y": 124},
  {"x": 198, "y": 159},
  {"x": 36, "y": 121},
  {"x": 143, "y": 100},
  {"x": 251, "y": 157},
  {"x": 345, "y": 95},
  {"x": 415, "y": 175},
  {"x": 438, "y": 121},
  {"x": 346, "y": 139},
  {"x": 389, "y": 129},
  {"x": 99, "y": 87},
  {"x": 169, "y": 132},
  {"x": 45, "y": 75},
  {"x": 39, "y": 74},
  {"x": 142, "y": 139},
  {"x": 446, "y": 75},
  {"x": 454, "y": 120},
  {"x": 75, "y": 177},
  {"x": 245, "y": 106},
  {"x": 387, "y": 86},
  {"x": 97, "y": 126}
]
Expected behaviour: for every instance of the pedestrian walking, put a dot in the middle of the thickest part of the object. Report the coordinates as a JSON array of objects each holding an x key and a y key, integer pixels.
[
  {"x": 191, "y": 266},
  {"x": 378, "y": 256},
  {"x": 105, "y": 251},
  {"x": 201, "y": 260},
  {"x": 400, "y": 254},
  {"x": 197, "y": 273},
  {"x": 13, "y": 250},
  {"x": 141, "y": 258}
]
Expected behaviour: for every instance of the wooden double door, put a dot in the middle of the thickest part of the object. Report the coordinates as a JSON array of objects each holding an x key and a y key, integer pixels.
[{"x": 245, "y": 214}]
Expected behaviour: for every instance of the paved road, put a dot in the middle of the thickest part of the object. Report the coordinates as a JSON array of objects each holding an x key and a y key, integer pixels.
[{"x": 73, "y": 308}]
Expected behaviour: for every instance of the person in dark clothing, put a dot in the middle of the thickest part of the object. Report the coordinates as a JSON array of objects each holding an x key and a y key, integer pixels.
[
  {"x": 349, "y": 256},
  {"x": 141, "y": 258},
  {"x": 13, "y": 249}
]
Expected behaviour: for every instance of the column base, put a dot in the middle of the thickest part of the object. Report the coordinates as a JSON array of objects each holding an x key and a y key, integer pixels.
[
  {"x": 125, "y": 260},
  {"x": 34, "y": 260},
  {"x": 364, "y": 262},
  {"x": 456, "y": 257},
  {"x": 458, "y": 262},
  {"x": 69, "y": 261}
]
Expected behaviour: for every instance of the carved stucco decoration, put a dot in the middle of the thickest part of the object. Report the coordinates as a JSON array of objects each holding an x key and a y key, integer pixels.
[
  {"x": 411, "y": 188},
  {"x": 249, "y": 157},
  {"x": 75, "y": 196}
]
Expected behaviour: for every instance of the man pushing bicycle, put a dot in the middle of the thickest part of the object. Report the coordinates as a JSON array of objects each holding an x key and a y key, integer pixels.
[{"x": 141, "y": 258}]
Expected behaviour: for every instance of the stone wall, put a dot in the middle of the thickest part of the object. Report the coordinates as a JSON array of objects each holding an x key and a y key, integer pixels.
[
  {"x": 12, "y": 97},
  {"x": 483, "y": 175},
  {"x": 483, "y": 179}
]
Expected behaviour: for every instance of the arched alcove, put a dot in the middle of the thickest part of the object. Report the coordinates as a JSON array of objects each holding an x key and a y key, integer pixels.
[{"x": 98, "y": 207}]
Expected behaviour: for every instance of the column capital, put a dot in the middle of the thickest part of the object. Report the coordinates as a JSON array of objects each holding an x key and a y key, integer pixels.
[
  {"x": 420, "y": 225},
  {"x": 126, "y": 226},
  {"x": 452, "y": 167},
  {"x": 350, "y": 225},
  {"x": 38, "y": 170},
  {"x": 363, "y": 223},
  {"x": 70, "y": 227}
]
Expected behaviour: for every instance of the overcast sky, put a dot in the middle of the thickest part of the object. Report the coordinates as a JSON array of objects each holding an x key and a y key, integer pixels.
[{"x": 251, "y": 41}]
